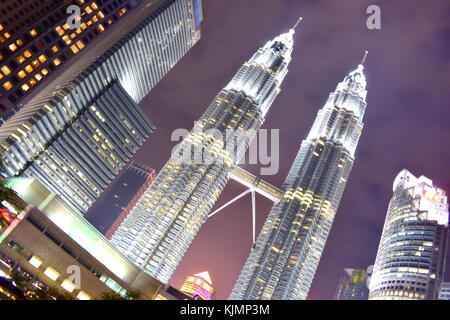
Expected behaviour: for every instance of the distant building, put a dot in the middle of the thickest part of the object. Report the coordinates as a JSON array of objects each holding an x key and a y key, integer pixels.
[
  {"x": 108, "y": 211},
  {"x": 199, "y": 287},
  {"x": 444, "y": 294},
  {"x": 411, "y": 256},
  {"x": 353, "y": 286},
  {"x": 47, "y": 242}
]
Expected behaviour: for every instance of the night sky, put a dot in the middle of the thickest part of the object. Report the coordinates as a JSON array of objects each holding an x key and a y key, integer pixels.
[{"x": 406, "y": 123}]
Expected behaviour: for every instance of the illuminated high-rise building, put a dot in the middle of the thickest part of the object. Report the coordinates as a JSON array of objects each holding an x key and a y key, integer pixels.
[
  {"x": 410, "y": 261},
  {"x": 78, "y": 131},
  {"x": 353, "y": 286},
  {"x": 37, "y": 39},
  {"x": 199, "y": 287},
  {"x": 284, "y": 259},
  {"x": 162, "y": 225}
]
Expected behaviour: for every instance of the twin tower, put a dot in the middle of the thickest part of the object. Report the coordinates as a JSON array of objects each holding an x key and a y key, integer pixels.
[{"x": 161, "y": 226}]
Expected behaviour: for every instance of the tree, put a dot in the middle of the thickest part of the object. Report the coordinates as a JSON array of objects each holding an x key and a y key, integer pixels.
[
  {"x": 129, "y": 295},
  {"x": 7, "y": 194}
]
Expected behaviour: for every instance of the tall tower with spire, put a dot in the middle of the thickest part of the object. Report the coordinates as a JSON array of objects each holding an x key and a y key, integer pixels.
[
  {"x": 161, "y": 226},
  {"x": 286, "y": 254}
]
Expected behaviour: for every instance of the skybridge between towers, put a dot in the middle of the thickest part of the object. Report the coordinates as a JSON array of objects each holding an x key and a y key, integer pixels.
[{"x": 254, "y": 185}]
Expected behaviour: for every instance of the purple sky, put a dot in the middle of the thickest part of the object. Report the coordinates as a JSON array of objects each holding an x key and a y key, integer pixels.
[{"x": 406, "y": 123}]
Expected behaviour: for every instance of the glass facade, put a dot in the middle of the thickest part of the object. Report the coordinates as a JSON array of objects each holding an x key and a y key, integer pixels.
[
  {"x": 36, "y": 41},
  {"x": 78, "y": 133},
  {"x": 283, "y": 262},
  {"x": 411, "y": 256},
  {"x": 161, "y": 226}
]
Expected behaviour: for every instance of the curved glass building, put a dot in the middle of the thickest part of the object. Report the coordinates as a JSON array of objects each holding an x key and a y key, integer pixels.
[{"x": 411, "y": 256}]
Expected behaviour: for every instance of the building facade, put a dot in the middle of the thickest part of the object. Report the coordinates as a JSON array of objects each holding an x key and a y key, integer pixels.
[
  {"x": 162, "y": 225},
  {"x": 78, "y": 132},
  {"x": 38, "y": 38},
  {"x": 110, "y": 209},
  {"x": 353, "y": 286},
  {"x": 50, "y": 244},
  {"x": 445, "y": 291},
  {"x": 285, "y": 257},
  {"x": 199, "y": 287},
  {"x": 410, "y": 261}
]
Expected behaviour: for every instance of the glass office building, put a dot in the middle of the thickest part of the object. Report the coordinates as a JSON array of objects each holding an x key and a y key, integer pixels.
[
  {"x": 411, "y": 256},
  {"x": 77, "y": 133}
]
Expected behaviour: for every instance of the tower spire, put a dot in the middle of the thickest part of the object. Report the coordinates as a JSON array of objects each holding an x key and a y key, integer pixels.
[
  {"x": 296, "y": 24},
  {"x": 365, "y": 57}
]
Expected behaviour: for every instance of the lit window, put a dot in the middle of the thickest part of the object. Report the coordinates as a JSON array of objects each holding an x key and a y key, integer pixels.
[
  {"x": 68, "y": 285},
  {"x": 83, "y": 26},
  {"x": 21, "y": 74},
  {"x": 66, "y": 39},
  {"x": 1, "y": 27},
  {"x": 20, "y": 59},
  {"x": 7, "y": 85},
  {"x": 29, "y": 68},
  {"x": 94, "y": 6},
  {"x": 83, "y": 296},
  {"x": 33, "y": 32},
  {"x": 73, "y": 35},
  {"x": 80, "y": 44},
  {"x": 38, "y": 77},
  {"x": 6, "y": 70},
  {"x": 35, "y": 261},
  {"x": 35, "y": 63},
  {"x": 1, "y": 76},
  {"x": 1, "y": 57},
  {"x": 12, "y": 47},
  {"x": 59, "y": 30},
  {"x": 56, "y": 62},
  {"x": 42, "y": 58},
  {"x": 74, "y": 48},
  {"x": 101, "y": 28},
  {"x": 32, "y": 82},
  {"x": 25, "y": 87},
  {"x": 100, "y": 15},
  {"x": 88, "y": 10},
  {"x": 44, "y": 72},
  {"x": 19, "y": 42},
  {"x": 51, "y": 273},
  {"x": 27, "y": 54},
  {"x": 66, "y": 26},
  {"x": 7, "y": 35},
  {"x": 55, "y": 49}
]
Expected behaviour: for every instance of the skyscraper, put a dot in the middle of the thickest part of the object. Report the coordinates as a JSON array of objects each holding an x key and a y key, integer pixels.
[
  {"x": 36, "y": 41},
  {"x": 162, "y": 225},
  {"x": 411, "y": 256},
  {"x": 286, "y": 254},
  {"x": 199, "y": 286},
  {"x": 109, "y": 208},
  {"x": 77, "y": 133},
  {"x": 353, "y": 286},
  {"x": 445, "y": 291}
]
